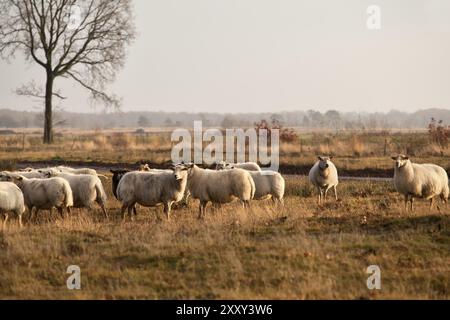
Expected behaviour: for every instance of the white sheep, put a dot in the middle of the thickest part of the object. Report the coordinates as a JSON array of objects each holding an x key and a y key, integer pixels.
[
  {"x": 65, "y": 169},
  {"x": 415, "y": 180},
  {"x": 86, "y": 190},
  {"x": 324, "y": 176},
  {"x": 249, "y": 166},
  {"x": 268, "y": 184},
  {"x": 11, "y": 200},
  {"x": 34, "y": 174},
  {"x": 219, "y": 186},
  {"x": 146, "y": 168},
  {"x": 43, "y": 194},
  {"x": 150, "y": 189}
]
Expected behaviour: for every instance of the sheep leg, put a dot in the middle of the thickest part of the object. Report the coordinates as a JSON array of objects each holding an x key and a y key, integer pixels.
[
  {"x": 68, "y": 211},
  {"x": 61, "y": 212},
  {"x": 202, "y": 209},
  {"x": 102, "y": 205},
  {"x": 123, "y": 212},
  {"x": 31, "y": 214},
  {"x": 277, "y": 202},
  {"x": 320, "y": 195},
  {"x": 167, "y": 210},
  {"x": 130, "y": 212},
  {"x": 5, "y": 219},
  {"x": 186, "y": 200},
  {"x": 20, "y": 219},
  {"x": 135, "y": 210},
  {"x": 406, "y": 202},
  {"x": 335, "y": 193},
  {"x": 412, "y": 203},
  {"x": 431, "y": 203},
  {"x": 36, "y": 212}
]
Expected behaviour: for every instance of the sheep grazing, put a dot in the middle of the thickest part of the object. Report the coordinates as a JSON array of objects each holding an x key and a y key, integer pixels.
[
  {"x": 11, "y": 200},
  {"x": 65, "y": 169},
  {"x": 43, "y": 194},
  {"x": 150, "y": 189},
  {"x": 249, "y": 166},
  {"x": 415, "y": 180},
  {"x": 324, "y": 176},
  {"x": 219, "y": 186},
  {"x": 28, "y": 174},
  {"x": 268, "y": 184},
  {"x": 86, "y": 190}
]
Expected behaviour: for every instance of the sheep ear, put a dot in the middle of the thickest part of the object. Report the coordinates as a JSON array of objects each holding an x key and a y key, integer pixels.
[
  {"x": 320, "y": 158},
  {"x": 394, "y": 158},
  {"x": 331, "y": 157},
  {"x": 405, "y": 158}
]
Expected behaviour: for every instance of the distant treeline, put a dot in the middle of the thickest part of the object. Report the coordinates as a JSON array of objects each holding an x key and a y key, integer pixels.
[{"x": 332, "y": 119}]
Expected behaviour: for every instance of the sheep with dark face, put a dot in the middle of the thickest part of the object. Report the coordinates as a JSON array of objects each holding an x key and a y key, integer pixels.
[
  {"x": 324, "y": 176},
  {"x": 151, "y": 189},
  {"x": 426, "y": 181},
  {"x": 117, "y": 176}
]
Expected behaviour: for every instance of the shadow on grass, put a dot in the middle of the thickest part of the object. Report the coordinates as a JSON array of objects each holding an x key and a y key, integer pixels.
[{"x": 377, "y": 224}]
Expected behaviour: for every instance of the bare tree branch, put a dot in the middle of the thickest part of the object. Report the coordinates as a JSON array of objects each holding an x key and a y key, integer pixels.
[{"x": 87, "y": 45}]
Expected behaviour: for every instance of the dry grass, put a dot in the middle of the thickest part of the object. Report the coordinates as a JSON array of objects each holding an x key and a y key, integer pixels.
[
  {"x": 314, "y": 253},
  {"x": 353, "y": 150}
]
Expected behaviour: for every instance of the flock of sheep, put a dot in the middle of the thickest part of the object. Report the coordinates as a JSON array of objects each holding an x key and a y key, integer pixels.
[{"x": 64, "y": 187}]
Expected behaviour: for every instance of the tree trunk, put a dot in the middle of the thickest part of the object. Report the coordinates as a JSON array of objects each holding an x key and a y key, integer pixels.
[{"x": 48, "y": 121}]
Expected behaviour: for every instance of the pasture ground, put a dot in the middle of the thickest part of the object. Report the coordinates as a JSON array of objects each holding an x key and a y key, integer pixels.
[{"x": 298, "y": 252}]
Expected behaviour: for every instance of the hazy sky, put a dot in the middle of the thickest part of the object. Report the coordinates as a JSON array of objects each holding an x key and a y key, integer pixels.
[{"x": 268, "y": 55}]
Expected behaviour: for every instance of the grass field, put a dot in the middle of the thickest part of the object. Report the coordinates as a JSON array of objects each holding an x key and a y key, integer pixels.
[
  {"x": 298, "y": 252},
  {"x": 354, "y": 151}
]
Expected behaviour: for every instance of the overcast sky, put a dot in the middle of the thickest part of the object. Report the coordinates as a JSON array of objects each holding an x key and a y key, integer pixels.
[{"x": 268, "y": 55}]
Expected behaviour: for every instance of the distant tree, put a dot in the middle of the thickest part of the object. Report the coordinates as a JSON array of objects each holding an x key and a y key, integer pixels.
[
  {"x": 79, "y": 40},
  {"x": 439, "y": 133},
  {"x": 333, "y": 119},
  {"x": 286, "y": 134},
  {"x": 306, "y": 122},
  {"x": 316, "y": 118},
  {"x": 143, "y": 122},
  {"x": 168, "y": 122},
  {"x": 6, "y": 121},
  {"x": 228, "y": 122}
]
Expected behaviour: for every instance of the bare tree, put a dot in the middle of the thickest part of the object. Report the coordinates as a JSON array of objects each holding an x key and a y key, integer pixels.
[{"x": 83, "y": 40}]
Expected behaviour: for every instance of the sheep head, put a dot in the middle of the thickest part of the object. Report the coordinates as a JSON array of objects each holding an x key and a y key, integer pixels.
[
  {"x": 5, "y": 177},
  {"x": 400, "y": 160},
  {"x": 324, "y": 163}
]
